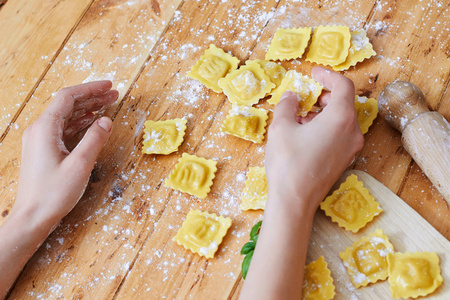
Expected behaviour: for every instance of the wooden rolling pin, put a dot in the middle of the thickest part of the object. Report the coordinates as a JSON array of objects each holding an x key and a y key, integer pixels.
[{"x": 425, "y": 134}]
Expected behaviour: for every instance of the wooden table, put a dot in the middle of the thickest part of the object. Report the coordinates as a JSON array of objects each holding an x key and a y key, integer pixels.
[{"x": 117, "y": 242}]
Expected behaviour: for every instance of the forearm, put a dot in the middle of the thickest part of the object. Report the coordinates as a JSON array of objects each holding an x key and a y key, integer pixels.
[
  {"x": 21, "y": 236},
  {"x": 277, "y": 266}
]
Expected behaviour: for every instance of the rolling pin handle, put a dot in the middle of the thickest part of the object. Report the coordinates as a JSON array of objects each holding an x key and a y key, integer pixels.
[
  {"x": 425, "y": 134},
  {"x": 401, "y": 102}
]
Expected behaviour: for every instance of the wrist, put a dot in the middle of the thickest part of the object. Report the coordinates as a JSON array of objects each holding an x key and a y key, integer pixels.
[
  {"x": 302, "y": 202},
  {"x": 30, "y": 224},
  {"x": 291, "y": 207}
]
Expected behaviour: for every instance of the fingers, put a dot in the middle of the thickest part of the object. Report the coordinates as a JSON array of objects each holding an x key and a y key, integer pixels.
[
  {"x": 342, "y": 89},
  {"x": 86, "y": 90},
  {"x": 286, "y": 110},
  {"x": 78, "y": 125},
  {"x": 94, "y": 104},
  {"x": 92, "y": 143},
  {"x": 61, "y": 108},
  {"x": 309, "y": 117},
  {"x": 324, "y": 98}
]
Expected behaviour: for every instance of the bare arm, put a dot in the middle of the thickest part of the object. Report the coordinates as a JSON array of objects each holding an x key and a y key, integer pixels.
[
  {"x": 304, "y": 157},
  {"x": 52, "y": 179}
]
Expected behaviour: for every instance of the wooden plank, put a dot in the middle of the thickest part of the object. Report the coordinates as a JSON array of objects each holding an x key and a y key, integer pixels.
[
  {"x": 405, "y": 228},
  {"x": 411, "y": 44},
  {"x": 31, "y": 36},
  {"x": 113, "y": 41},
  {"x": 444, "y": 105}
]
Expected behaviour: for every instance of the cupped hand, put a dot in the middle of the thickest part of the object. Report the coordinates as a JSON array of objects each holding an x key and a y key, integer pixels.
[
  {"x": 305, "y": 156},
  {"x": 52, "y": 178}
]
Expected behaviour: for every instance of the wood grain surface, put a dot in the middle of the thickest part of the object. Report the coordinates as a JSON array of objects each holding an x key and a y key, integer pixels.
[{"x": 116, "y": 243}]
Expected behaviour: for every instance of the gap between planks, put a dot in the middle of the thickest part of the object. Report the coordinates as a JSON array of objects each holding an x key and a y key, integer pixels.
[{"x": 442, "y": 97}]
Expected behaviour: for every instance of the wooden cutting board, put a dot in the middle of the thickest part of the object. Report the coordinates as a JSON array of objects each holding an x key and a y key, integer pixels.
[{"x": 406, "y": 229}]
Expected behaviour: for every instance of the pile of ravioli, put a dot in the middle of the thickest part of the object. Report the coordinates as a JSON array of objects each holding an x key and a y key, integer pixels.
[
  {"x": 244, "y": 87},
  {"x": 372, "y": 258}
]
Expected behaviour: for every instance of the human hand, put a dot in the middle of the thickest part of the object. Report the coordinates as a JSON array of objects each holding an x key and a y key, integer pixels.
[
  {"x": 305, "y": 156},
  {"x": 53, "y": 179}
]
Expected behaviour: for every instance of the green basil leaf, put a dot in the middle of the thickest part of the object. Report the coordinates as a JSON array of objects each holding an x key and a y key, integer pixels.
[
  {"x": 246, "y": 264},
  {"x": 255, "y": 230},
  {"x": 255, "y": 239},
  {"x": 250, "y": 246}
]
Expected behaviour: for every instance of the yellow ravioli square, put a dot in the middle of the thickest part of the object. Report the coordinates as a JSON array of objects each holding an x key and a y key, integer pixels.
[
  {"x": 254, "y": 195},
  {"x": 246, "y": 85},
  {"x": 413, "y": 274},
  {"x": 248, "y": 123},
  {"x": 367, "y": 111},
  {"x": 360, "y": 49},
  {"x": 329, "y": 45},
  {"x": 317, "y": 282},
  {"x": 306, "y": 89},
  {"x": 163, "y": 137},
  {"x": 351, "y": 206},
  {"x": 202, "y": 232},
  {"x": 366, "y": 259},
  {"x": 275, "y": 72},
  {"x": 288, "y": 43},
  {"x": 193, "y": 175},
  {"x": 213, "y": 65}
]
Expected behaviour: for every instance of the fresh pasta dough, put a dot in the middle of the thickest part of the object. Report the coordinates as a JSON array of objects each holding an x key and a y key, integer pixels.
[
  {"x": 288, "y": 43},
  {"x": 351, "y": 206},
  {"x": 213, "y": 65},
  {"x": 317, "y": 281},
  {"x": 366, "y": 259},
  {"x": 254, "y": 195},
  {"x": 413, "y": 274},
  {"x": 202, "y": 232},
  {"x": 329, "y": 45},
  {"x": 163, "y": 137},
  {"x": 193, "y": 175},
  {"x": 307, "y": 90},
  {"x": 248, "y": 123},
  {"x": 246, "y": 85}
]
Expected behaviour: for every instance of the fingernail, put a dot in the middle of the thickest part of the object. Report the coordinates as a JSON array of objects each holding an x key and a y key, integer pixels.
[
  {"x": 286, "y": 95},
  {"x": 105, "y": 123}
]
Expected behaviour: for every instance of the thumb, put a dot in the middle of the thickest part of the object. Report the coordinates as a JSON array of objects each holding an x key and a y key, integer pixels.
[
  {"x": 92, "y": 143},
  {"x": 287, "y": 108}
]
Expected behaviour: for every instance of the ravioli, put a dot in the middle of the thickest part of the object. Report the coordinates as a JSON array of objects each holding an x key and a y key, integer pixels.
[
  {"x": 367, "y": 111},
  {"x": 366, "y": 259},
  {"x": 329, "y": 45},
  {"x": 414, "y": 274},
  {"x": 254, "y": 195},
  {"x": 193, "y": 175},
  {"x": 351, "y": 206},
  {"x": 213, "y": 65},
  {"x": 288, "y": 43},
  {"x": 248, "y": 123},
  {"x": 360, "y": 49},
  {"x": 163, "y": 137},
  {"x": 317, "y": 282},
  {"x": 307, "y": 90},
  {"x": 202, "y": 232},
  {"x": 246, "y": 85},
  {"x": 275, "y": 72}
]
